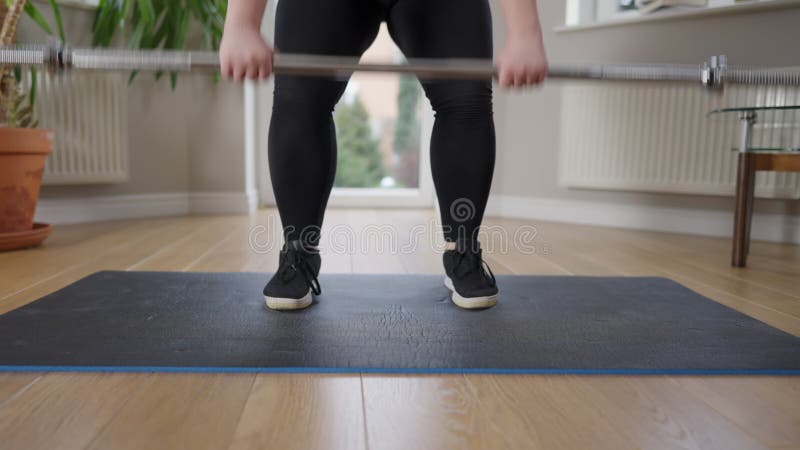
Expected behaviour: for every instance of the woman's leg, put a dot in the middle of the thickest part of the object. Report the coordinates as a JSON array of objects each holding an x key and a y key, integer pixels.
[
  {"x": 302, "y": 139},
  {"x": 463, "y": 141}
]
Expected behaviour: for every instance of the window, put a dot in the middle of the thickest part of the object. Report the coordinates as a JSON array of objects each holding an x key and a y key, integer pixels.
[
  {"x": 384, "y": 123},
  {"x": 382, "y": 149},
  {"x": 378, "y": 126},
  {"x": 583, "y": 13}
]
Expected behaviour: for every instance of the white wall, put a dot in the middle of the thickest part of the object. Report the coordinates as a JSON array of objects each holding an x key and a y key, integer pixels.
[
  {"x": 188, "y": 142},
  {"x": 528, "y": 123}
]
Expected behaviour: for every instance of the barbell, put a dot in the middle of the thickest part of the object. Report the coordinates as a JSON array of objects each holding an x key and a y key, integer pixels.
[{"x": 713, "y": 74}]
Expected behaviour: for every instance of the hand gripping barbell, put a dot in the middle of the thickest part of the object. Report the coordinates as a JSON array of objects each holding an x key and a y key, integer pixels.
[{"x": 713, "y": 74}]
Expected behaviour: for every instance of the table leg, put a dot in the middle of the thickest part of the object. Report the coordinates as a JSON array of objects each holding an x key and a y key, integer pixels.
[{"x": 745, "y": 185}]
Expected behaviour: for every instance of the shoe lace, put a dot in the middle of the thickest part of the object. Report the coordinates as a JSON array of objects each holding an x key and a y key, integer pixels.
[
  {"x": 295, "y": 262},
  {"x": 468, "y": 262}
]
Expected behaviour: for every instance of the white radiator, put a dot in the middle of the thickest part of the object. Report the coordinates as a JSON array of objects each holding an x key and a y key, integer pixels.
[
  {"x": 656, "y": 137},
  {"x": 88, "y": 116}
]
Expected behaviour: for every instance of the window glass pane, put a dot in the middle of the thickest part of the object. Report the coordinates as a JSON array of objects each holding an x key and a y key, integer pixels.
[{"x": 378, "y": 125}]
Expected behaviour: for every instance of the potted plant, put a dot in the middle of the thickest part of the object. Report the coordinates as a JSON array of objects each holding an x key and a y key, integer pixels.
[{"x": 24, "y": 147}]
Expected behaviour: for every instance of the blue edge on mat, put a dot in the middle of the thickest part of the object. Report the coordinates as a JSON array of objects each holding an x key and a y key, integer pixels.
[{"x": 352, "y": 370}]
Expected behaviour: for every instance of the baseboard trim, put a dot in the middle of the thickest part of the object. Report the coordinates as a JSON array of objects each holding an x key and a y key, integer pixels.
[
  {"x": 164, "y": 204},
  {"x": 766, "y": 227},
  {"x": 223, "y": 202}
]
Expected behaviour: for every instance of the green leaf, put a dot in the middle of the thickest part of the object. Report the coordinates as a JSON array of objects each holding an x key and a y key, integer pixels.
[
  {"x": 105, "y": 26},
  {"x": 147, "y": 10},
  {"x": 182, "y": 26},
  {"x": 102, "y": 8},
  {"x": 197, "y": 9},
  {"x": 135, "y": 40},
  {"x": 32, "y": 90},
  {"x": 207, "y": 40},
  {"x": 161, "y": 34},
  {"x": 126, "y": 11},
  {"x": 59, "y": 22},
  {"x": 33, "y": 12}
]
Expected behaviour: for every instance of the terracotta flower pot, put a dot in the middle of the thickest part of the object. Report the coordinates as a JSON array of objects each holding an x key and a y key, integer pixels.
[{"x": 23, "y": 152}]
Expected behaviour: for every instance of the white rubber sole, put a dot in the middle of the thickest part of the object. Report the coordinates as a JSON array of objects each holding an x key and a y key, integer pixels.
[
  {"x": 290, "y": 304},
  {"x": 472, "y": 302}
]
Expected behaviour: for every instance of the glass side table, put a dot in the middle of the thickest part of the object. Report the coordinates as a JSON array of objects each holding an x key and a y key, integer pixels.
[{"x": 783, "y": 157}]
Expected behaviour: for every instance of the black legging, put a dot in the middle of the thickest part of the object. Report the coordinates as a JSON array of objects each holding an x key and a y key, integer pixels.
[{"x": 302, "y": 139}]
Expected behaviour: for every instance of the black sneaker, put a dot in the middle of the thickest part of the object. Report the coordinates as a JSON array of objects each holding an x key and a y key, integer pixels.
[
  {"x": 295, "y": 283},
  {"x": 469, "y": 277}
]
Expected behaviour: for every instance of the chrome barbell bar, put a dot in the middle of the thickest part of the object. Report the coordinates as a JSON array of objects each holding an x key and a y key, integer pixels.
[{"x": 712, "y": 74}]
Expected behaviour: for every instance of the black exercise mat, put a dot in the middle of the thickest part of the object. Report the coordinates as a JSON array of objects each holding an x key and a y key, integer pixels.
[{"x": 157, "y": 321}]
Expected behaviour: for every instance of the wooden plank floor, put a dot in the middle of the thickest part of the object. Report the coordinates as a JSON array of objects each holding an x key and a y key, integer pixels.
[{"x": 287, "y": 411}]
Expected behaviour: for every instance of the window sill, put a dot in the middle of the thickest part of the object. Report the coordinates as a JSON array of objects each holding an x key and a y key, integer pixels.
[
  {"x": 682, "y": 13},
  {"x": 379, "y": 198}
]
